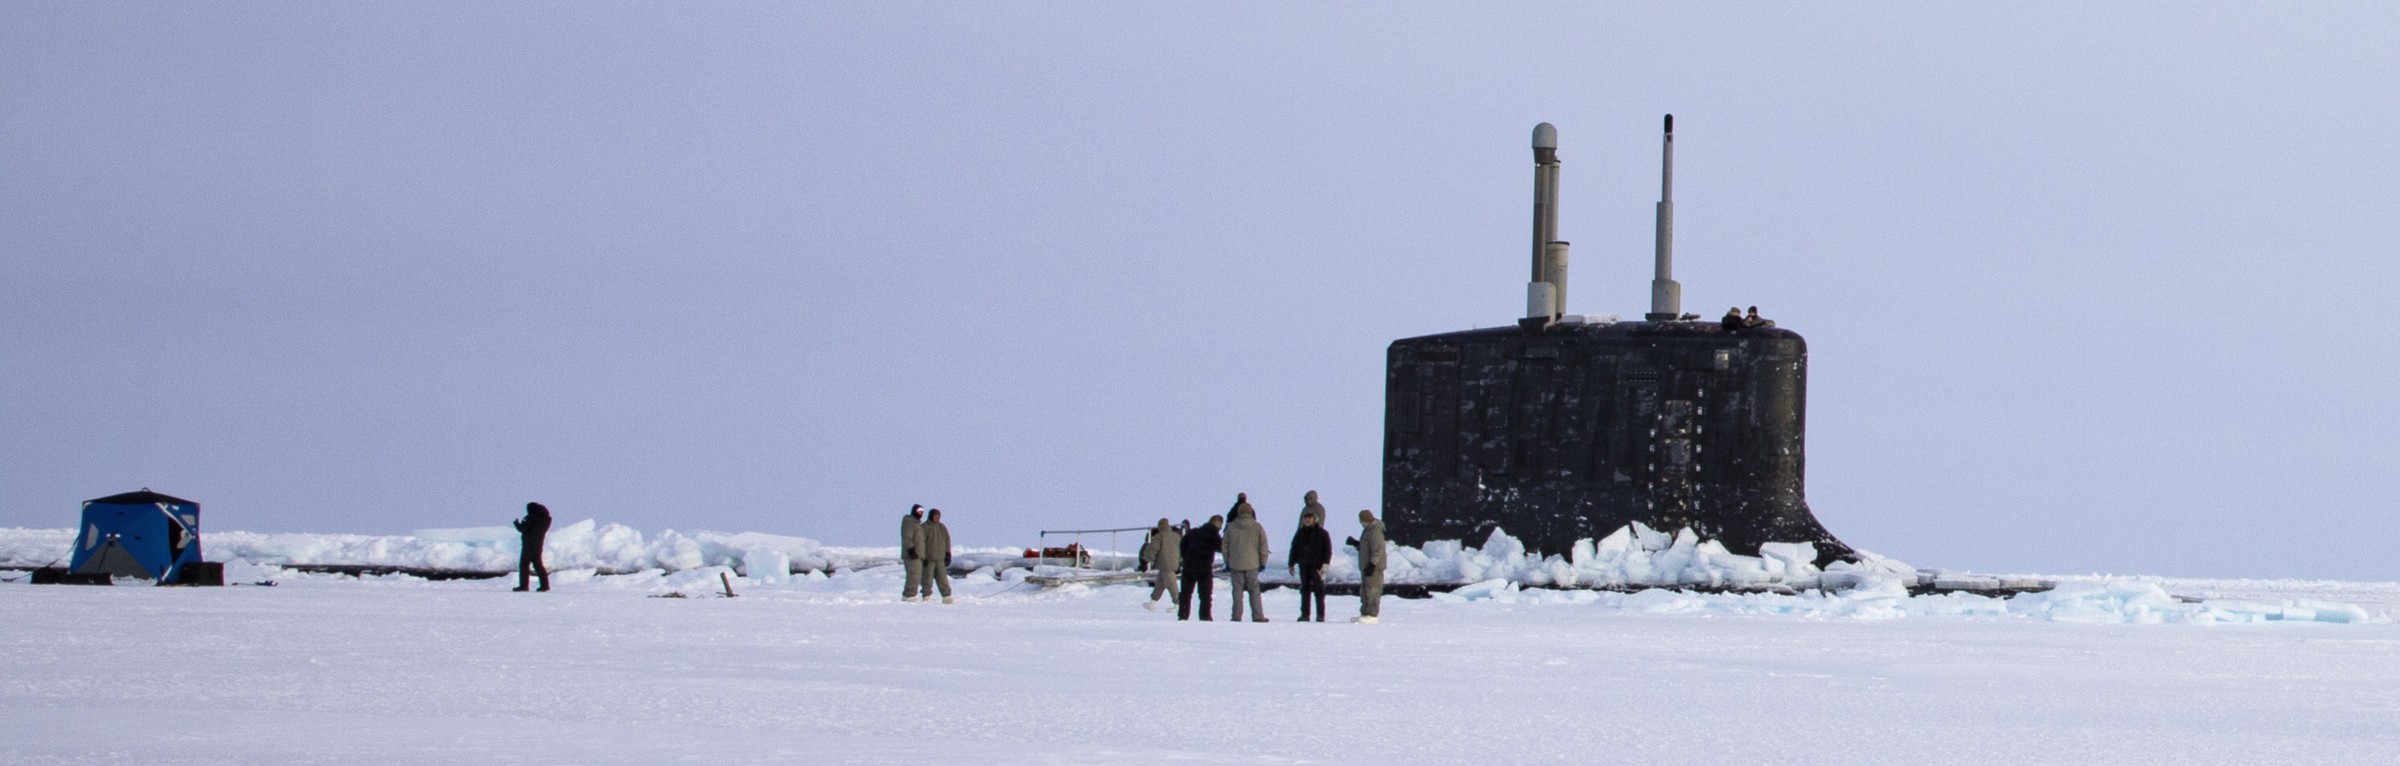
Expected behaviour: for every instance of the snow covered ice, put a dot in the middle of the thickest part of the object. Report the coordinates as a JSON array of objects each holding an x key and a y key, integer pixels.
[{"x": 811, "y": 668}]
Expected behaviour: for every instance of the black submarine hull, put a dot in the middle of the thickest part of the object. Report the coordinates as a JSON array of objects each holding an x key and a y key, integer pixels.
[{"x": 1575, "y": 430}]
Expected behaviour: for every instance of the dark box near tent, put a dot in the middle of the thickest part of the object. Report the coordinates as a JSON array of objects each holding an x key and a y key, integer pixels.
[
  {"x": 140, "y": 534},
  {"x": 60, "y": 576},
  {"x": 202, "y": 573}
]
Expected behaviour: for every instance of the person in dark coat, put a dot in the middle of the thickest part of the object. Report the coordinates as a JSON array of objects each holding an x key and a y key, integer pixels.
[
  {"x": 1311, "y": 549},
  {"x": 1754, "y": 320},
  {"x": 1199, "y": 569},
  {"x": 530, "y": 531},
  {"x": 1733, "y": 320}
]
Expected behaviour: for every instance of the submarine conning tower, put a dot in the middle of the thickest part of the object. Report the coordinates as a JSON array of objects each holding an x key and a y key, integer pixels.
[{"x": 1563, "y": 427}]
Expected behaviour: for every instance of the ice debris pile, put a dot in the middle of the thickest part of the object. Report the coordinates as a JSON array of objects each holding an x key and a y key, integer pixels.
[
  {"x": 30, "y": 548},
  {"x": 2096, "y": 601},
  {"x": 1784, "y": 580},
  {"x": 1633, "y": 555},
  {"x": 585, "y": 544}
]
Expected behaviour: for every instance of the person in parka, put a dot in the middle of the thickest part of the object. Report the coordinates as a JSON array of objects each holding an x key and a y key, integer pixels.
[
  {"x": 912, "y": 536},
  {"x": 530, "y": 531},
  {"x": 1370, "y": 567},
  {"x": 1199, "y": 569},
  {"x": 1164, "y": 551},
  {"x": 1246, "y": 552},
  {"x": 933, "y": 553},
  {"x": 1312, "y": 549}
]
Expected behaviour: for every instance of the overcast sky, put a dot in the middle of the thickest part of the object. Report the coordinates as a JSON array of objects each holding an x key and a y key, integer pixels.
[{"x": 2087, "y": 287}]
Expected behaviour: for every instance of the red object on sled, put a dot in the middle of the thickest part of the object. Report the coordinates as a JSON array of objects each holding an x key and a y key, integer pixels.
[{"x": 1072, "y": 551}]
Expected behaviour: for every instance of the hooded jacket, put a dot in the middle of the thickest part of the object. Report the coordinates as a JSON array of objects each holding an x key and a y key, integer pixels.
[
  {"x": 1312, "y": 546},
  {"x": 534, "y": 527},
  {"x": 1164, "y": 549},
  {"x": 1200, "y": 550},
  {"x": 1245, "y": 541},
  {"x": 1371, "y": 549},
  {"x": 935, "y": 548},
  {"x": 912, "y": 535}
]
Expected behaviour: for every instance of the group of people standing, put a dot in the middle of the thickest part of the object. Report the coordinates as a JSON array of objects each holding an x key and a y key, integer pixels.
[
  {"x": 925, "y": 554},
  {"x": 1184, "y": 559}
]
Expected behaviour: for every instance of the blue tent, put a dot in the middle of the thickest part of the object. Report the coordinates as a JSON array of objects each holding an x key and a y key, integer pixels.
[{"x": 138, "y": 534}]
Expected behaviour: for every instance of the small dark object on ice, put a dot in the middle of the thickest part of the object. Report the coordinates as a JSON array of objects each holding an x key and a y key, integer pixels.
[{"x": 60, "y": 576}]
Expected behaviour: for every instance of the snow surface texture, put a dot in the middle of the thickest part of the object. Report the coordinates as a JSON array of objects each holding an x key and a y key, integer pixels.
[{"x": 818, "y": 669}]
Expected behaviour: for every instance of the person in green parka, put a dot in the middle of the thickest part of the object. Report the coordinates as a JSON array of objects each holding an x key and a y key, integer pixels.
[
  {"x": 912, "y": 536},
  {"x": 1370, "y": 567},
  {"x": 934, "y": 552},
  {"x": 1246, "y": 552},
  {"x": 1164, "y": 551}
]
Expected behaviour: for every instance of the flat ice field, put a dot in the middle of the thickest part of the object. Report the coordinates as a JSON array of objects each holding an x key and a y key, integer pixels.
[{"x": 330, "y": 669}]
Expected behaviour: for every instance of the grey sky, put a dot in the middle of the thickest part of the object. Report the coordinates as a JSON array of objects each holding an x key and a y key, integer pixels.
[{"x": 2087, "y": 288}]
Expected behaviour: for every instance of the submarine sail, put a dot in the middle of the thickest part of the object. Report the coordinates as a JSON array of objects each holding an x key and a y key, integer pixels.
[{"x": 1558, "y": 429}]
